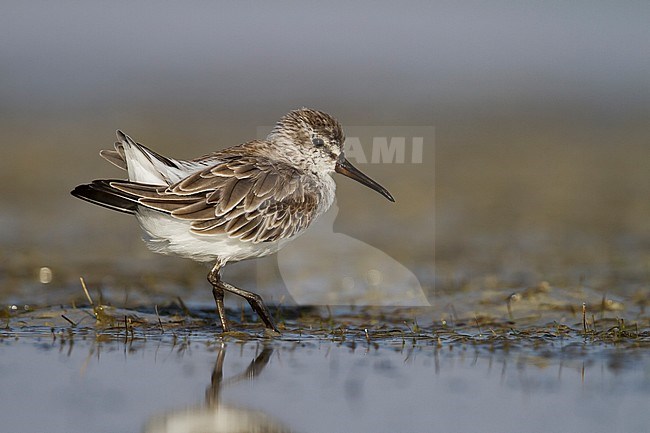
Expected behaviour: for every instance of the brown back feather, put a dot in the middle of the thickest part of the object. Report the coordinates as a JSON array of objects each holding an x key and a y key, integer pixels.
[{"x": 244, "y": 197}]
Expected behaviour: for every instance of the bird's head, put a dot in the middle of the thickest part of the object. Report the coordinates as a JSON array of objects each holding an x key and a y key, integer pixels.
[{"x": 315, "y": 141}]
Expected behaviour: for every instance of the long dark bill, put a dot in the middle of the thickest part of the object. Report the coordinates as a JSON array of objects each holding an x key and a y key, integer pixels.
[{"x": 344, "y": 167}]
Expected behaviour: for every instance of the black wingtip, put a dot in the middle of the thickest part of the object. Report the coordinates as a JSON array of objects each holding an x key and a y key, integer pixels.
[{"x": 100, "y": 193}]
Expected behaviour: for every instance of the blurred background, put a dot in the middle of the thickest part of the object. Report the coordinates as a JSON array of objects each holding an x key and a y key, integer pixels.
[{"x": 538, "y": 171}]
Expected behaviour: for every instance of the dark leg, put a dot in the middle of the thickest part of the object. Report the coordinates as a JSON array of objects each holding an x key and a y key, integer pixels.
[
  {"x": 255, "y": 300},
  {"x": 214, "y": 278}
]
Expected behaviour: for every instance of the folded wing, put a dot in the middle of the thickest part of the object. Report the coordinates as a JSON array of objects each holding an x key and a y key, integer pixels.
[{"x": 255, "y": 201}]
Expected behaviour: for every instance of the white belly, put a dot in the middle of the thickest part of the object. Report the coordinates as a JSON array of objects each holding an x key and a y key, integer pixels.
[{"x": 167, "y": 235}]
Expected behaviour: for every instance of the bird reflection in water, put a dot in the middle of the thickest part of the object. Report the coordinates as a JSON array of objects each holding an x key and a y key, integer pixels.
[{"x": 213, "y": 416}]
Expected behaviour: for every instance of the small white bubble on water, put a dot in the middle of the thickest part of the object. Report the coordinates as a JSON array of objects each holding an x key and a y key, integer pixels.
[{"x": 45, "y": 275}]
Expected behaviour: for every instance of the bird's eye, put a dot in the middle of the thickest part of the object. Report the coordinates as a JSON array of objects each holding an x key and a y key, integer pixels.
[{"x": 318, "y": 142}]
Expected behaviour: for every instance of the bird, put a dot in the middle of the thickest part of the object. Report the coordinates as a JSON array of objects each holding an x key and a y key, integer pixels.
[{"x": 242, "y": 202}]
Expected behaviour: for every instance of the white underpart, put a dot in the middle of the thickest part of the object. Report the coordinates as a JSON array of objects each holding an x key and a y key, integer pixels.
[{"x": 167, "y": 235}]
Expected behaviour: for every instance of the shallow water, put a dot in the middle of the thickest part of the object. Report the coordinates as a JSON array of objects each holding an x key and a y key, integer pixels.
[
  {"x": 76, "y": 382},
  {"x": 105, "y": 369}
]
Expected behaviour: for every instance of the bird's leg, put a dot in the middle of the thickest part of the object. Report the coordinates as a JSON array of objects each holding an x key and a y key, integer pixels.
[
  {"x": 214, "y": 278},
  {"x": 255, "y": 302}
]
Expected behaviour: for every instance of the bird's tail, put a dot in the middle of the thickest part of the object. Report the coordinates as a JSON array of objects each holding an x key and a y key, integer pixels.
[
  {"x": 143, "y": 164},
  {"x": 147, "y": 171}
]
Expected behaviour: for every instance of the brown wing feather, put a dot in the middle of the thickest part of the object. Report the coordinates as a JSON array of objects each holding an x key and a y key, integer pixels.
[{"x": 247, "y": 199}]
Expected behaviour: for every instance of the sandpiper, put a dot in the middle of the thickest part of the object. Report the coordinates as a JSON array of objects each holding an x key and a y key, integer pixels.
[{"x": 239, "y": 203}]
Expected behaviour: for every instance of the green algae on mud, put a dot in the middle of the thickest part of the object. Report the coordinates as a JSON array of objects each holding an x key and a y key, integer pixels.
[{"x": 373, "y": 327}]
